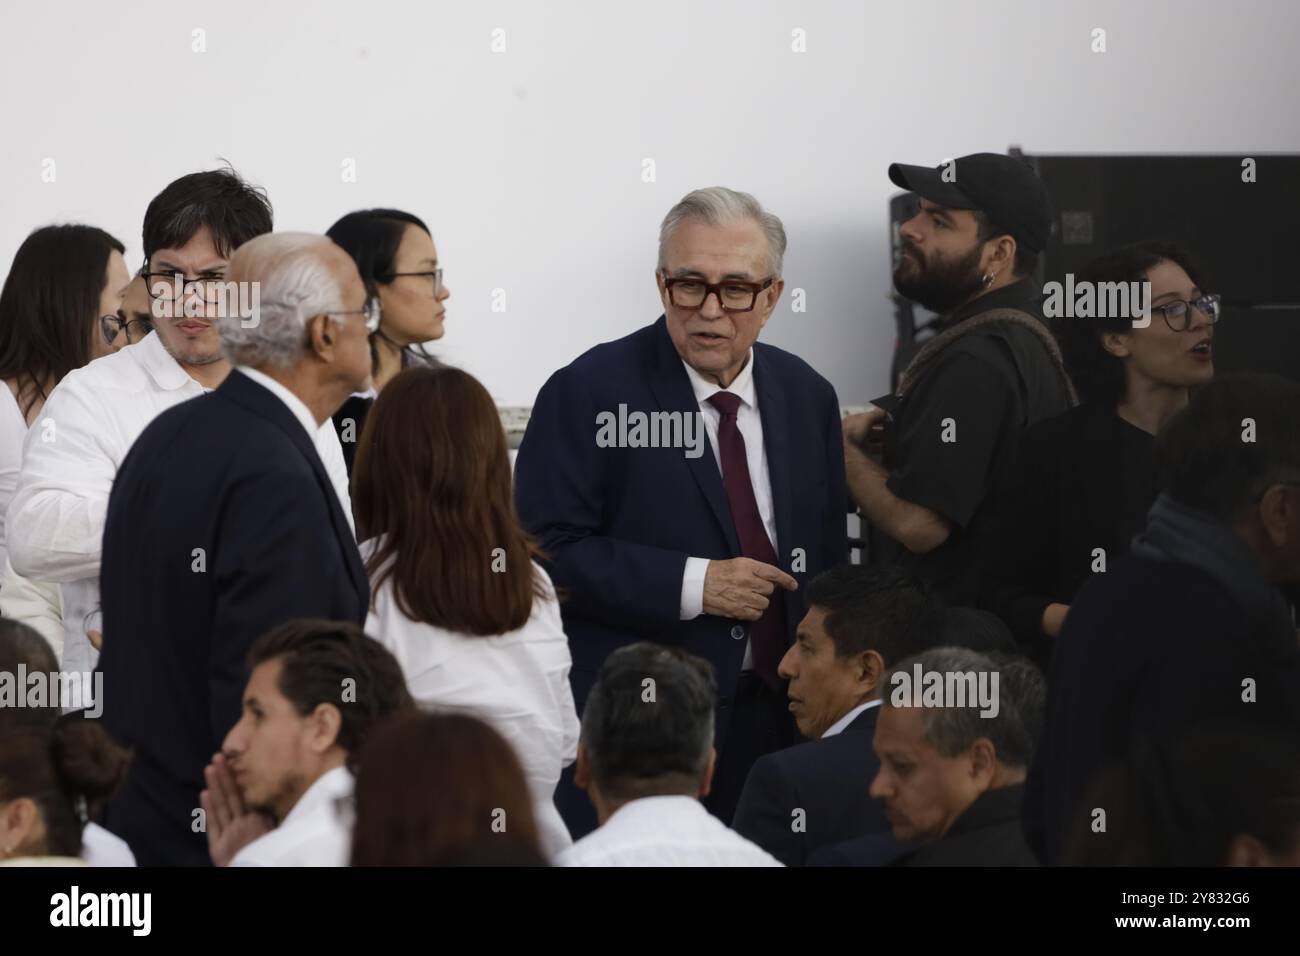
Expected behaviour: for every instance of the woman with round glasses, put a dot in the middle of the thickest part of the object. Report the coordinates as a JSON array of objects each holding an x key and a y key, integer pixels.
[
  {"x": 398, "y": 261},
  {"x": 64, "y": 281},
  {"x": 133, "y": 321},
  {"x": 1080, "y": 484}
]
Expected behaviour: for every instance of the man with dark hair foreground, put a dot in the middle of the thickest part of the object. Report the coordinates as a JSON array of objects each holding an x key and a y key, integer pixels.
[
  {"x": 646, "y": 759},
  {"x": 861, "y": 621},
  {"x": 278, "y": 792}
]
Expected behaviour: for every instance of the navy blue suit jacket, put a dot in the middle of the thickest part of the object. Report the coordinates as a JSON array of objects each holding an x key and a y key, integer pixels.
[
  {"x": 235, "y": 474},
  {"x": 619, "y": 523},
  {"x": 827, "y": 779}
]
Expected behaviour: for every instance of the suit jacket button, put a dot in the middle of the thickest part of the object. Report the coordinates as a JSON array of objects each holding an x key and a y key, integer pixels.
[{"x": 737, "y": 633}]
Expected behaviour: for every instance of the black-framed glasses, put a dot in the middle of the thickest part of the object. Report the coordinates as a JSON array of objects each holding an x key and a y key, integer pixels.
[
  {"x": 734, "y": 295},
  {"x": 110, "y": 326},
  {"x": 170, "y": 286},
  {"x": 1178, "y": 314},
  {"x": 371, "y": 310},
  {"x": 434, "y": 276}
]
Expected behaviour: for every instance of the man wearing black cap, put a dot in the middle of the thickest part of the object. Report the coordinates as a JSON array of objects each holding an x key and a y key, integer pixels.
[{"x": 992, "y": 369}]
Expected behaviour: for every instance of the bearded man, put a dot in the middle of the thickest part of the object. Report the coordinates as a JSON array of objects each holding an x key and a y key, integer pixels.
[{"x": 993, "y": 368}]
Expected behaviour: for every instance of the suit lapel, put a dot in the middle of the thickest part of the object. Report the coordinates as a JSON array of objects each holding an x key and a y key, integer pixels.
[
  {"x": 246, "y": 393},
  {"x": 672, "y": 390}
]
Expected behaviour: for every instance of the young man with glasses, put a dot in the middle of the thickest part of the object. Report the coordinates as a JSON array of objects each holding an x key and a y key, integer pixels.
[
  {"x": 55, "y": 522},
  {"x": 224, "y": 523},
  {"x": 704, "y": 551}
]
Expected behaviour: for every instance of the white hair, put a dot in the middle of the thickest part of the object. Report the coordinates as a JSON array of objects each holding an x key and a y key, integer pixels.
[
  {"x": 717, "y": 205},
  {"x": 295, "y": 284}
]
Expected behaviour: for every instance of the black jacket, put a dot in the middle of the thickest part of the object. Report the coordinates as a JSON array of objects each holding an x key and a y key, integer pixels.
[
  {"x": 1149, "y": 650},
  {"x": 222, "y": 524},
  {"x": 827, "y": 779},
  {"x": 983, "y": 389},
  {"x": 1079, "y": 481},
  {"x": 987, "y": 834}
]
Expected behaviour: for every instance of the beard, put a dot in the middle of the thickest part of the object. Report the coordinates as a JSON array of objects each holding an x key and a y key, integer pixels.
[
  {"x": 279, "y": 797},
  {"x": 940, "y": 285}
]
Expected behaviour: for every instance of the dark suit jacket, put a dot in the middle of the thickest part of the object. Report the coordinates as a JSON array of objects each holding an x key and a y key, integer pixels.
[
  {"x": 987, "y": 834},
  {"x": 235, "y": 474},
  {"x": 1149, "y": 651},
  {"x": 828, "y": 779},
  {"x": 619, "y": 523}
]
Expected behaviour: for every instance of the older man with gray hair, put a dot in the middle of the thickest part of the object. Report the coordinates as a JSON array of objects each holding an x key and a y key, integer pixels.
[
  {"x": 955, "y": 736},
  {"x": 222, "y": 524},
  {"x": 655, "y": 538}
]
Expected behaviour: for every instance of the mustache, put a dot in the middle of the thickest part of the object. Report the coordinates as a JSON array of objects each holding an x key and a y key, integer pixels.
[{"x": 908, "y": 247}]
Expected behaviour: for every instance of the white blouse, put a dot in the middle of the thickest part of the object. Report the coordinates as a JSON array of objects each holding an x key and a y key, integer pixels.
[
  {"x": 13, "y": 432},
  {"x": 517, "y": 682}
]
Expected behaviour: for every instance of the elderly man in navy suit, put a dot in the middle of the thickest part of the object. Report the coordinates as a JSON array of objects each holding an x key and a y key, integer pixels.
[
  {"x": 656, "y": 538},
  {"x": 222, "y": 524}
]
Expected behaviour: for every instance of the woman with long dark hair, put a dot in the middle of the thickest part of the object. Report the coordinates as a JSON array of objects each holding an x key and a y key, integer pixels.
[
  {"x": 61, "y": 299},
  {"x": 64, "y": 281},
  {"x": 395, "y": 254},
  {"x": 1081, "y": 483},
  {"x": 457, "y": 593}
]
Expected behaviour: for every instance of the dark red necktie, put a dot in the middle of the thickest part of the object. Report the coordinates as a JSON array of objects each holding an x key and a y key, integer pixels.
[{"x": 767, "y": 637}]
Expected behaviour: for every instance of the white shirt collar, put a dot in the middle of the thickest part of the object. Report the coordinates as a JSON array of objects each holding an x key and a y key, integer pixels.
[
  {"x": 295, "y": 404},
  {"x": 329, "y": 787},
  {"x": 849, "y": 718},
  {"x": 669, "y": 804},
  {"x": 159, "y": 364},
  {"x": 742, "y": 385}
]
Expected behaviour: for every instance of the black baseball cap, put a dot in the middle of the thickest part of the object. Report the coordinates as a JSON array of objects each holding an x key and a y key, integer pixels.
[{"x": 1002, "y": 187}]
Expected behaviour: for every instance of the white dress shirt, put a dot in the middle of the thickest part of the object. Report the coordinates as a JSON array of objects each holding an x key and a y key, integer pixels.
[
  {"x": 664, "y": 831},
  {"x": 34, "y": 603},
  {"x": 99, "y": 847},
  {"x": 290, "y": 399},
  {"x": 517, "y": 682},
  {"x": 316, "y": 832},
  {"x": 750, "y": 423},
  {"x": 55, "y": 524},
  {"x": 13, "y": 432},
  {"x": 37, "y": 604},
  {"x": 849, "y": 718}
]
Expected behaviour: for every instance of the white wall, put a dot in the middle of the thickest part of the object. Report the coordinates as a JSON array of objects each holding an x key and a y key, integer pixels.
[{"x": 527, "y": 164}]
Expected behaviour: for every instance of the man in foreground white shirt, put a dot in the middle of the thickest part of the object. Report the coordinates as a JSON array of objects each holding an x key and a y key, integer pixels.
[
  {"x": 290, "y": 757},
  {"x": 646, "y": 760},
  {"x": 73, "y": 453}
]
